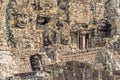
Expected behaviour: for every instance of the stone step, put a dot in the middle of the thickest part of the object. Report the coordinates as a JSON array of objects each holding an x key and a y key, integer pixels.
[
  {"x": 3, "y": 43},
  {"x": 3, "y": 48},
  {"x": 5, "y": 53}
]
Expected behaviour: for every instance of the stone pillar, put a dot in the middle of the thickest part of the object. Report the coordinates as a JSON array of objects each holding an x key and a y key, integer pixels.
[
  {"x": 99, "y": 75},
  {"x": 117, "y": 23},
  {"x": 84, "y": 45},
  {"x": 5, "y": 55},
  {"x": 78, "y": 39},
  {"x": 41, "y": 40},
  {"x": 118, "y": 7},
  {"x": 89, "y": 42},
  {"x": 58, "y": 37},
  {"x": 80, "y": 42},
  {"x": 114, "y": 77}
]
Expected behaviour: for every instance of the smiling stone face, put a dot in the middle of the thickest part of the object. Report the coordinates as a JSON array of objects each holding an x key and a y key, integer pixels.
[
  {"x": 18, "y": 14},
  {"x": 21, "y": 20}
]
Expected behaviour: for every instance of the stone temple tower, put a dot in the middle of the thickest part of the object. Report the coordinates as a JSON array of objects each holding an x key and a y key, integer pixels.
[{"x": 5, "y": 55}]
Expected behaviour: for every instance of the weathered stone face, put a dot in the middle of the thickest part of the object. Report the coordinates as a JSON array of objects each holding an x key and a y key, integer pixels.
[
  {"x": 104, "y": 28},
  {"x": 36, "y": 62},
  {"x": 18, "y": 17},
  {"x": 21, "y": 21},
  {"x": 64, "y": 39}
]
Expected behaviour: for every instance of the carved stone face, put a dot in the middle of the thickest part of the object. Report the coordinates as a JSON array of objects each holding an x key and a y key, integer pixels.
[
  {"x": 36, "y": 62},
  {"x": 64, "y": 39},
  {"x": 19, "y": 14},
  {"x": 21, "y": 20},
  {"x": 13, "y": 5}
]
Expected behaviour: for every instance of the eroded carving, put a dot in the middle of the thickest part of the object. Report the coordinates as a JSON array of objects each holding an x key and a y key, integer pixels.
[
  {"x": 104, "y": 28},
  {"x": 42, "y": 21},
  {"x": 104, "y": 62},
  {"x": 18, "y": 16},
  {"x": 21, "y": 20},
  {"x": 36, "y": 62},
  {"x": 64, "y": 38},
  {"x": 44, "y": 25},
  {"x": 49, "y": 37}
]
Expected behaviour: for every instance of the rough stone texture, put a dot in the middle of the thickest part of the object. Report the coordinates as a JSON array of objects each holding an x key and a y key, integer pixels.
[
  {"x": 63, "y": 39},
  {"x": 6, "y": 63}
]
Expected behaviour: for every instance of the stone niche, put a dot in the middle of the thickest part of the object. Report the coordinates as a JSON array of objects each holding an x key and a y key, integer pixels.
[
  {"x": 41, "y": 22},
  {"x": 104, "y": 28},
  {"x": 83, "y": 35}
]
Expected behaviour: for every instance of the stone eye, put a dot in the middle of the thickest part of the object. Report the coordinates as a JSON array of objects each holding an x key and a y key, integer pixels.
[
  {"x": 25, "y": 16},
  {"x": 19, "y": 15}
]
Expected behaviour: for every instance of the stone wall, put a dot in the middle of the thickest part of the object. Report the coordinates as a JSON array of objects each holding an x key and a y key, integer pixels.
[
  {"x": 86, "y": 11},
  {"x": 112, "y": 12},
  {"x": 26, "y": 24},
  {"x": 6, "y": 63},
  {"x": 30, "y": 27}
]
